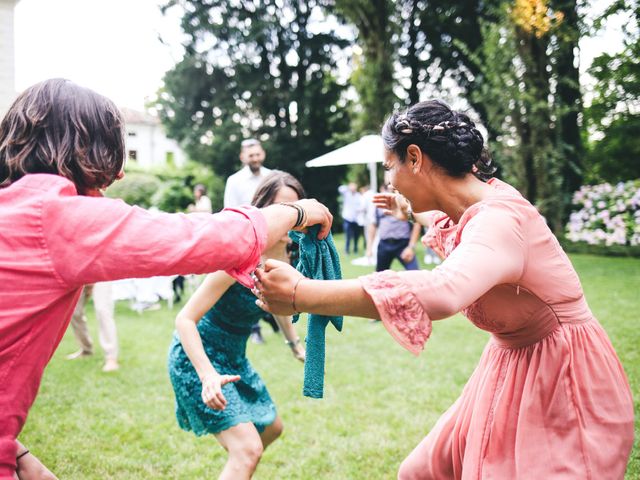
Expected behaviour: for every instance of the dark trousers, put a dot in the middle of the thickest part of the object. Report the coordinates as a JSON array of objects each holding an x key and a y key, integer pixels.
[
  {"x": 178, "y": 287},
  {"x": 392, "y": 248},
  {"x": 351, "y": 232}
]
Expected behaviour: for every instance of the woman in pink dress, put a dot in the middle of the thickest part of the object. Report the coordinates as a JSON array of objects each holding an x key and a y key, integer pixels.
[
  {"x": 60, "y": 145},
  {"x": 549, "y": 398}
]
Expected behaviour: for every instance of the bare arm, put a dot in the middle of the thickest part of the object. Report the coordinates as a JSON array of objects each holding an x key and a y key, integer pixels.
[
  {"x": 282, "y": 218},
  {"x": 290, "y": 336},
  {"x": 396, "y": 205},
  {"x": 203, "y": 299},
  {"x": 335, "y": 297},
  {"x": 409, "y": 252},
  {"x": 325, "y": 297},
  {"x": 415, "y": 234}
]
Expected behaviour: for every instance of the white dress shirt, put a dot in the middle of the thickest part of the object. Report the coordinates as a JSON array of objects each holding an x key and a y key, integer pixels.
[
  {"x": 242, "y": 185},
  {"x": 351, "y": 202}
]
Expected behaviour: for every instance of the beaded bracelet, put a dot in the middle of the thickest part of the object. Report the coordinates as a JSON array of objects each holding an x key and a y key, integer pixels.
[{"x": 301, "y": 220}]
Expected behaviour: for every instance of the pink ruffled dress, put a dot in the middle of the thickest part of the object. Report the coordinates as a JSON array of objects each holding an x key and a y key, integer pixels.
[{"x": 549, "y": 398}]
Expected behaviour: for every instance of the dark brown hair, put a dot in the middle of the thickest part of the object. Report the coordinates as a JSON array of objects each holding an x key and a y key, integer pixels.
[
  {"x": 450, "y": 138},
  {"x": 269, "y": 187},
  {"x": 60, "y": 128}
]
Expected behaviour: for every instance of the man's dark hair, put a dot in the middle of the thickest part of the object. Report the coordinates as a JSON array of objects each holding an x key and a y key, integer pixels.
[{"x": 60, "y": 128}]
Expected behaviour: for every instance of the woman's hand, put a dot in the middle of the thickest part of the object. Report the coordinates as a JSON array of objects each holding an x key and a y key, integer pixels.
[
  {"x": 317, "y": 213},
  {"x": 392, "y": 204},
  {"x": 212, "y": 389},
  {"x": 274, "y": 287},
  {"x": 298, "y": 351}
]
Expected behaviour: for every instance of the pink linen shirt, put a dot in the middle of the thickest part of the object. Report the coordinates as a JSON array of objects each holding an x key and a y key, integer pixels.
[{"x": 53, "y": 241}]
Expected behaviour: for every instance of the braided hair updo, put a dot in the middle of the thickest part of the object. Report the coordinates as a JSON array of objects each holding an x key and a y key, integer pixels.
[{"x": 450, "y": 138}]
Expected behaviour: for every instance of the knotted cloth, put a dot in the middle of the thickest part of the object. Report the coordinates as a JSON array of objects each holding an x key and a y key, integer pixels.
[{"x": 319, "y": 260}]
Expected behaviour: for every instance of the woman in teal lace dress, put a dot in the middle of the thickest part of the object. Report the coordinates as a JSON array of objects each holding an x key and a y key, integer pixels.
[{"x": 217, "y": 390}]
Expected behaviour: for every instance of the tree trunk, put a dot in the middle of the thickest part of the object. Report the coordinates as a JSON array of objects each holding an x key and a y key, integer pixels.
[{"x": 568, "y": 96}]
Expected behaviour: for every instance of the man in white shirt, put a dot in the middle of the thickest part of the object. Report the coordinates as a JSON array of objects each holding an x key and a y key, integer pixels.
[
  {"x": 243, "y": 184},
  {"x": 239, "y": 190}
]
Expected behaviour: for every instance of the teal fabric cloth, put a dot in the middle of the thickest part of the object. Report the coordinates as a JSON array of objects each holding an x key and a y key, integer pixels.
[
  {"x": 224, "y": 331},
  {"x": 319, "y": 260}
]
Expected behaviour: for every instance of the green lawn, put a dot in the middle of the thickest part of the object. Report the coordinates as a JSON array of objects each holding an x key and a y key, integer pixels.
[{"x": 379, "y": 401}]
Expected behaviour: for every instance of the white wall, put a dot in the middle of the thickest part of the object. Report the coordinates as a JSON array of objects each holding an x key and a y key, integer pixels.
[
  {"x": 151, "y": 145},
  {"x": 7, "y": 56}
]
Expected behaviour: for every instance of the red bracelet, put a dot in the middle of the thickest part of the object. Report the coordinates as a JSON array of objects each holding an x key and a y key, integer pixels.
[{"x": 293, "y": 296}]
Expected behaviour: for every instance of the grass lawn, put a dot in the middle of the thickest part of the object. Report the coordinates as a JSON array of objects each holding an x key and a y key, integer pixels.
[{"x": 380, "y": 401}]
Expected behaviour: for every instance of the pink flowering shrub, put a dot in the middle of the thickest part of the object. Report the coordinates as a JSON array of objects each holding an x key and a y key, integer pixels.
[{"x": 606, "y": 214}]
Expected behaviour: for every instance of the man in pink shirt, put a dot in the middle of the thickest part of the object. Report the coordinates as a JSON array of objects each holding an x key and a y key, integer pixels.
[{"x": 60, "y": 144}]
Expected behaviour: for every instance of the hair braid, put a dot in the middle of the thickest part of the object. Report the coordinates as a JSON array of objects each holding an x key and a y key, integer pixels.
[{"x": 450, "y": 138}]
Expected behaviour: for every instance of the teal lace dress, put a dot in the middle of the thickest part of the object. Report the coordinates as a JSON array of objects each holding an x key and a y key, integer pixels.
[{"x": 224, "y": 331}]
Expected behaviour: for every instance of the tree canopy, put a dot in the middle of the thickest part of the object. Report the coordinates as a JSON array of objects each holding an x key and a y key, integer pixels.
[{"x": 306, "y": 77}]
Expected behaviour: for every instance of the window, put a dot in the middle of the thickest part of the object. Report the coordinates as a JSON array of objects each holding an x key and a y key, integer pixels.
[{"x": 133, "y": 154}]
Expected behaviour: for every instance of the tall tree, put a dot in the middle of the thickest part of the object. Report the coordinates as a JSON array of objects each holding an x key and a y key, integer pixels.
[
  {"x": 454, "y": 32},
  {"x": 263, "y": 68},
  {"x": 514, "y": 61},
  {"x": 373, "y": 78},
  {"x": 412, "y": 49},
  {"x": 568, "y": 95},
  {"x": 613, "y": 118},
  {"x": 532, "y": 25}
]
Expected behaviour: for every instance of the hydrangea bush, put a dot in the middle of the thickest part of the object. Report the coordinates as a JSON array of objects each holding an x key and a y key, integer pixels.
[{"x": 606, "y": 214}]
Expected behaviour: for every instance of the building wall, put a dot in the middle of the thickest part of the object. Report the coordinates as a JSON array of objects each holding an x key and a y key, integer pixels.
[
  {"x": 7, "y": 55},
  {"x": 150, "y": 146}
]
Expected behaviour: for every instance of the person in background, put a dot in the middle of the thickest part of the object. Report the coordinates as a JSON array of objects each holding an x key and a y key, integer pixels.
[
  {"x": 61, "y": 145},
  {"x": 217, "y": 390},
  {"x": 241, "y": 186},
  {"x": 396, "y": 240},
  {"x": 549, "y": 397},
  {"x": 104, "y": 307},
  {"x": 202, "y": 202},
  {"x": 351, "y": 204},
  {"x": 239, "y": 190},
  {"x": 368, "y": 212}
]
